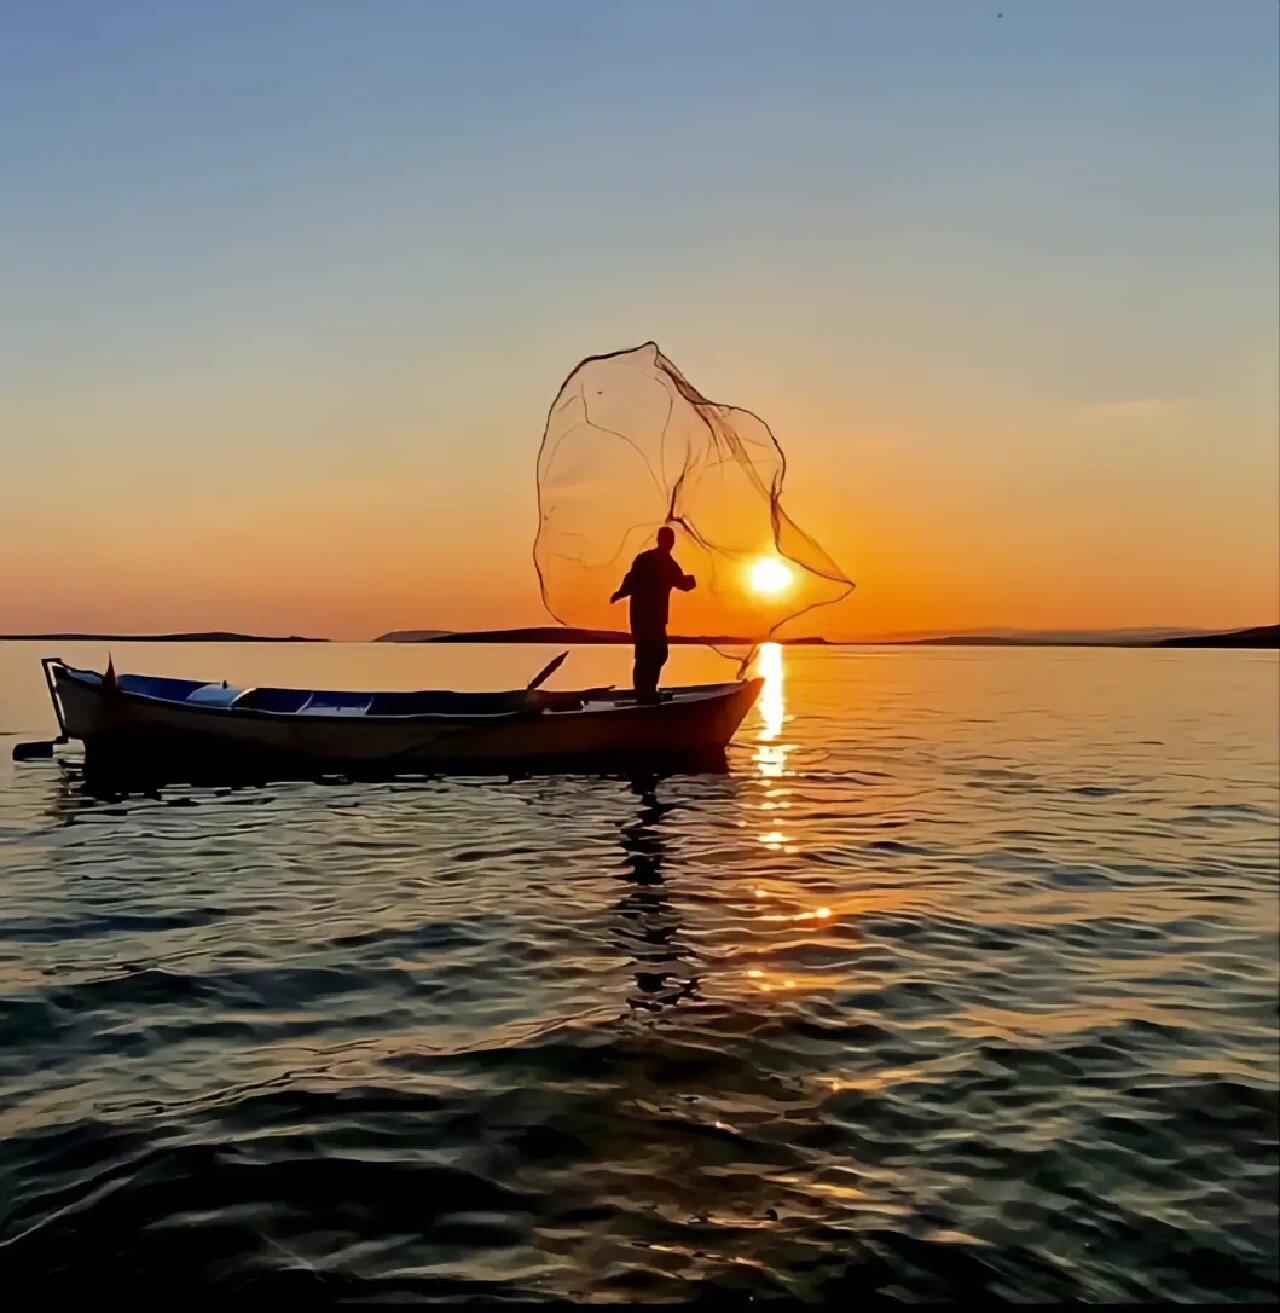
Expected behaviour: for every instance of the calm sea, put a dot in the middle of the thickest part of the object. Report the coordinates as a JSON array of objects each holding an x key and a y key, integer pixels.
[{"x": 962, "y": 983}]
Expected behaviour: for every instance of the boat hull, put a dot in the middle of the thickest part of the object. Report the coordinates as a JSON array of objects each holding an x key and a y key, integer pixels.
[{"x": 133, "y": 731}]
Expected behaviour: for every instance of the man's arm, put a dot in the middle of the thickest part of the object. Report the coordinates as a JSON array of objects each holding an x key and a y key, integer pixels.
[
  {"x": 686, "y": 583},
  {"x": 624, "y": 588}
]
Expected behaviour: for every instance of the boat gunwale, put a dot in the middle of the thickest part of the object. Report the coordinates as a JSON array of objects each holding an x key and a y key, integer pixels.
[{"x": 75, "y": 675}]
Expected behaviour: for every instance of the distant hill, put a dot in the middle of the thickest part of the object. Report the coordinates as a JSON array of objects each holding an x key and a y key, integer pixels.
[
  {"x": 1260, "y": 636},
  {"x": 1055, "y": 637},
  {"x": 562, "y": 634},
  {"x": 211, "y": 636},
  {"x": 1263, "y": 636},
  {"x": 411, "y": 636}
]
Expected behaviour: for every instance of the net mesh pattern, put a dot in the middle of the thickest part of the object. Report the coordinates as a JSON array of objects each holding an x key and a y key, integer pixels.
[{"x": 630, "y": 445}]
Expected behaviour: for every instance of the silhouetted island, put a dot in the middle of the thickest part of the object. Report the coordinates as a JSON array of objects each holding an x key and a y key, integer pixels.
[
  {"x": 211, "y": 636},
  {"x": 1264, "y": 636},
  {"x": 564, "y": 634},
  {"x": 1143, "y": 637}
]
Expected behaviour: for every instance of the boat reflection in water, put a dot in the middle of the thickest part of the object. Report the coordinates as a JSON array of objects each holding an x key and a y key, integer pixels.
[{"x": 649, "y": 925}]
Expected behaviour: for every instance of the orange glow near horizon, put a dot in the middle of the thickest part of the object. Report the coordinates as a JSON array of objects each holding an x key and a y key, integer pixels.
[{"x": 941, "y": 528}]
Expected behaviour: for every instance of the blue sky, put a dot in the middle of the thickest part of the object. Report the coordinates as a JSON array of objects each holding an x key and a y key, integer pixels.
[{"x": 972, "y": 269}]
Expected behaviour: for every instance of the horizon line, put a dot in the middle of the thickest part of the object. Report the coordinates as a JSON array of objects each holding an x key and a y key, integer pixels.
[{"x": 1006, "y": 632}]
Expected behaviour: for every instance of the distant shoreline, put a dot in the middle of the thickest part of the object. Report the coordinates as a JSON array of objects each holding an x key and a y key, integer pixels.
[
  {"x": 212, "y": 636},
  {"x": 578, "y": 637},
  {"x": 1260, "y": 637}
]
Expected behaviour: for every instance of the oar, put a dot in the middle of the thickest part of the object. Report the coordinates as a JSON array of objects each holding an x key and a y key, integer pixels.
[
  {"x": 36, "y": 749},
  {"x": 546, "y": 672}
]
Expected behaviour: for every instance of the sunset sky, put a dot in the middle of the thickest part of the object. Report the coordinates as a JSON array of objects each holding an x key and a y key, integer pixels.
[{"x": 288, "y": 288}]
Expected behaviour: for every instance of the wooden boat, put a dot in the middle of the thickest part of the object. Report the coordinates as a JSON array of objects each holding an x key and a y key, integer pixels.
[{"x": 143, "y": 721}]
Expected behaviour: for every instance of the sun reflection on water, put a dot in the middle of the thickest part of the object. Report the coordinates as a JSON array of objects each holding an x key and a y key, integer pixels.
[
  {"x": 783, "y": 902},
  {"x": 772, "y": 702},
  {"x": 771, "y": 756}
]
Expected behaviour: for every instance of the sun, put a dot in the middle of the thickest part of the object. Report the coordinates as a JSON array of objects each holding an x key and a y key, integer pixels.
[{"x": 770, "y": 577}]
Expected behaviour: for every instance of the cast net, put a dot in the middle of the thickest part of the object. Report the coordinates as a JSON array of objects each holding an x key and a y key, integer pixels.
[{"x": 630, "y": 445}]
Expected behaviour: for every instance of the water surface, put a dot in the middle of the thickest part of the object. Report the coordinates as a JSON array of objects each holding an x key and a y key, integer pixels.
[{"x": 962, "y": 982}]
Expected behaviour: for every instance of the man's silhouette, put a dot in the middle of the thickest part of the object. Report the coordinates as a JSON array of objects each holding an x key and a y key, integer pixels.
[{"x": 648, "y": 584}]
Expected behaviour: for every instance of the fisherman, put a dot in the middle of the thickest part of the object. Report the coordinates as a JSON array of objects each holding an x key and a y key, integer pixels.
[{"x": 653, "y": 574}]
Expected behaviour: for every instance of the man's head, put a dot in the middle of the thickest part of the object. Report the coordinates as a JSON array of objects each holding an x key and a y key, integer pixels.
[{"x": 666, "y": 538}]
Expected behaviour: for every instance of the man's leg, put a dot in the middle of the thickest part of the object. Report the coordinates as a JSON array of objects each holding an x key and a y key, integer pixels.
[
  {"x": 651, "y": 654},
  {"x": 644, "y": 679},
  {"x": 659, "y": 660}
]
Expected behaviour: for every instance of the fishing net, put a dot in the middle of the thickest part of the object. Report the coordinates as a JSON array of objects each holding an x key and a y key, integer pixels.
[{"x": 631, "y": 445}]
